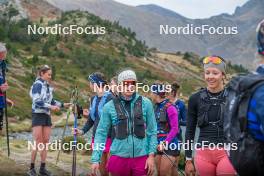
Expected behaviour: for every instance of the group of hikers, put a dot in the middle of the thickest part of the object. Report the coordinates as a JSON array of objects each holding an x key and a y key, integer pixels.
[{"x": 135, "y": 129}]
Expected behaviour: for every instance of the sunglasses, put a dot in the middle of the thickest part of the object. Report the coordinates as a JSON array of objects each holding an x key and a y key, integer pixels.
[
  {"x": 129, "y": 83},
  {"x": 2, "y": 54},
  {"x": 213, "y": 59}
]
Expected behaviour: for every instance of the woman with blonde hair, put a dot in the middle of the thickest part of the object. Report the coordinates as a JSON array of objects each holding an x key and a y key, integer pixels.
[{"x": 42, "y": 104}]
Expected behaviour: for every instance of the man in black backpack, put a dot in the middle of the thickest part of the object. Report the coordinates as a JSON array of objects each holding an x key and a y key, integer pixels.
[{"x": 244, "y": 117}]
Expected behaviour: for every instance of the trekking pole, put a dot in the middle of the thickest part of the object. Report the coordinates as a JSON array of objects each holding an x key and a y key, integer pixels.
[
  {"x": 63, "y": 133},
  {"x": 173, "y": 163},
  {"x": 66, "y": 123},
  {"x": 6, "y": 118},
  {"x": 75, "y": 135}
]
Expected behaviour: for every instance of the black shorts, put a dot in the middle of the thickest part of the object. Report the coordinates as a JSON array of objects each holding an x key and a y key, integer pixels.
[
  {"x": 41, "y": 119},
  {"x": 170, "y": 152}
]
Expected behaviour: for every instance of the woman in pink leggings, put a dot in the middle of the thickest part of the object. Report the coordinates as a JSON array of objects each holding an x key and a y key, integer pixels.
[{"x": 205, "y": 110}]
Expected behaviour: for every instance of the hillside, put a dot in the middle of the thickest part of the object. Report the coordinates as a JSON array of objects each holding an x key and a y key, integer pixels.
[
  {"x": 73, "y": 57},
  {"x": 146, "y": 20}
]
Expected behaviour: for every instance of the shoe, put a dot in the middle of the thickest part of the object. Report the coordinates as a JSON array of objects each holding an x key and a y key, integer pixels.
[
  {"x": 44, "y": 172},
  {"x": 32, "y": 172}
]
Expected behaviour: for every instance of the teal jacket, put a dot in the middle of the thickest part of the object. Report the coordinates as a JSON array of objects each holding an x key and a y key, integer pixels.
[{"x": 131, "y": 146}]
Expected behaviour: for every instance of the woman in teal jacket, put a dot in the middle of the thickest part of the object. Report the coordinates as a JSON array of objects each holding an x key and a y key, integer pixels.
[{"x": 133, "y": 120}]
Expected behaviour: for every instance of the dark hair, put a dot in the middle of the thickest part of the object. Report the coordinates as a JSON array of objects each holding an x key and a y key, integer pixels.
[
  {"x": 161, "y": 94},
  {"x": 43, "y": 69},
  {"x": 114, "y": 79},
  {"x": 101, "y": 76},
  {"x": 174, "y": 88}
]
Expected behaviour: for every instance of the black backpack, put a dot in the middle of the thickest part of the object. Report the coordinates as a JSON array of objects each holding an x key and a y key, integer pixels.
[{"x": 248, "y": 158}]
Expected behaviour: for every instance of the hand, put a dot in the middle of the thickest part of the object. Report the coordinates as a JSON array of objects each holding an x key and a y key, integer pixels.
[
  {"x": 4, "y": 87},
  {"x": 150, "y": 164},
  {"x": 161, "y": 147},
  {"x": 189, "y": 168},
  {"x": 10, "y": 102},
  {"x": 95, "y": 169},
  {"x": 66, "y": 105},
  {"x": 55, "y": 108},
  {"x": 77, "y": 131},
  {"x": 85, "y": 112}
]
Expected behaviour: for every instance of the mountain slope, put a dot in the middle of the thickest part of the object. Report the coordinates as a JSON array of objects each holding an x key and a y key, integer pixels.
[
  {"x": 146, "y": 21},
  {"x": 73, "y": 57}
]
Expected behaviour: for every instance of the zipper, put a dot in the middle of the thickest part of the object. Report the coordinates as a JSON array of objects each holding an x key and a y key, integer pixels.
[{"x": 131, "y": 124}]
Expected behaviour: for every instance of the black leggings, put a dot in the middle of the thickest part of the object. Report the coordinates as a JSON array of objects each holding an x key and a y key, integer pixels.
[{"x": 1, "y": 118}]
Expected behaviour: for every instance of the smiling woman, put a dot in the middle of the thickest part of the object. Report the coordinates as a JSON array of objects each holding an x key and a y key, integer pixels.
[{"x": 206, "y": 110}]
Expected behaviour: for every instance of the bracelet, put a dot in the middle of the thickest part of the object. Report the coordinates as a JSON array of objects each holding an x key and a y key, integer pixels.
[{"x": 163, "y": 143}]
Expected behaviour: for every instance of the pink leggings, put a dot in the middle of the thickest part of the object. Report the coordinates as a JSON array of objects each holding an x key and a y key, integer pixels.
[{"x": 213, "y": 162}]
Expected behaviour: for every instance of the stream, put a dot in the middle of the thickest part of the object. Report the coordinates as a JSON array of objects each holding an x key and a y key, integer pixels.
[{"x": 55, "y": 135}]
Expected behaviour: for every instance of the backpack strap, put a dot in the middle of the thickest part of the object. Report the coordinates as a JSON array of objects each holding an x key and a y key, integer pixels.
[
  {"x": 138, "y": 112},
  {"x": 119, "y": 109},
  {"x": 244, "y": 104},
  {"x": 103, "y": 101},
  {"x": 92, "y": 107},
  {"x": 203, "y": 93}
]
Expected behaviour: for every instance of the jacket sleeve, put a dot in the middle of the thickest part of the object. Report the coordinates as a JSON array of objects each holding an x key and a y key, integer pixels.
[
  {"x": 191, "y": 123},
  {"x": 151, "y": 129},
  {"x": 101, "y": 134},
  {"x": 37, "y": 96},
  {"x": 88, "y": 125},
  {"x": 182, "y": 115},
  {"x": 260, "y": 106},
  {"x": 173, "y": 121},
  {"x": 56, "y": 103}
]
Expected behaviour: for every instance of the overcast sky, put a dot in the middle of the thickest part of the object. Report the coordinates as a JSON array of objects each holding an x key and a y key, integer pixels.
[{"x": 193, "y": 8}]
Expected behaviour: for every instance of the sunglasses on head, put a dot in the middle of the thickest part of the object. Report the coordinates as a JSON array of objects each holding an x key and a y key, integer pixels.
[
  {"x": 213, "y": 59},
  {"x": 91, "y": 78},
  {"x": 129, "y": 83}
]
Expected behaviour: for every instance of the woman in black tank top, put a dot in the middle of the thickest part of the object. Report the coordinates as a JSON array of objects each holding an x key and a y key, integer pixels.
[{"x": 205, "y": 110}]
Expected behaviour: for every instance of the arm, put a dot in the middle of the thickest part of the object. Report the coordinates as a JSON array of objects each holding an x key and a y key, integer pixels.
[
  {"x": 57, "y": 103},
  {"x": 151, "y": 127},
  {"x": 191, "y": 123},
  {"x": 101, "y": 134},
  {"x": 88, "y": 125},
  {"x": 260, "y": 107},
  {"x": 173, "y": 121},
  {"x": 182, "y": 115}
]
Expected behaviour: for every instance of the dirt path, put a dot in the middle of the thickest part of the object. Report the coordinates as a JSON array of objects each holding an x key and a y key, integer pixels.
[
  {"x": 18, "y": 162},
  {"x": 16, "y": 166}
]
